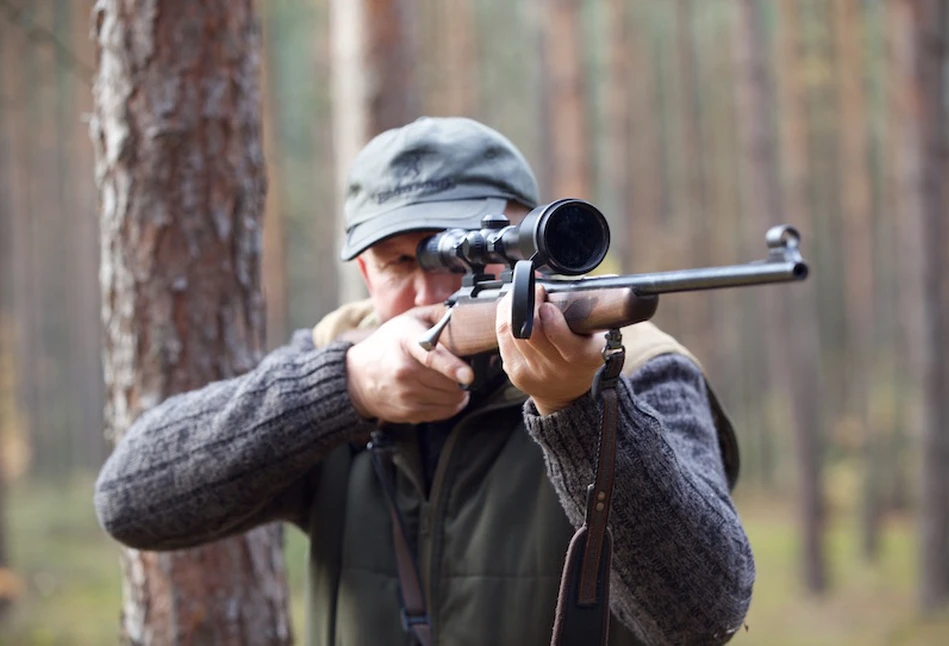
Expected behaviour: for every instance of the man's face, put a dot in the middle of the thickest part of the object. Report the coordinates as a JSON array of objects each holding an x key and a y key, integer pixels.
[{"x": 395, "y": 281}]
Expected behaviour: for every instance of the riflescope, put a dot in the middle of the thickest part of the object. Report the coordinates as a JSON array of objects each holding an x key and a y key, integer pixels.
[{"x": 568, "y": 237}]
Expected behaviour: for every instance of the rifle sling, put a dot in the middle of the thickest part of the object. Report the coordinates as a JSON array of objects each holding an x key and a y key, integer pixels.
[
  {"x": 415, "y": 618},
  {"x": 583, "y": 605}
]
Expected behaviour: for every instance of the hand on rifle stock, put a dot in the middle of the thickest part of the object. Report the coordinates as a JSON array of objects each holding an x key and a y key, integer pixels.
[{"x": 554, "y": 366}]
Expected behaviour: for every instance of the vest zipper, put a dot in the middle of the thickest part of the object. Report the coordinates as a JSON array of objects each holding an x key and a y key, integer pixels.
[{"x": 429, "y": 518}]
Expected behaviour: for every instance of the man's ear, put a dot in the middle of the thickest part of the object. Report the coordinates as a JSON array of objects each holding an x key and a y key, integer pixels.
[{"x": 361, "y": 263}]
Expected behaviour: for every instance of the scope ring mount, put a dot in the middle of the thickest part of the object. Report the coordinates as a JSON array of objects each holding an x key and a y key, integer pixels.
[{"x": 522, "y": 303}]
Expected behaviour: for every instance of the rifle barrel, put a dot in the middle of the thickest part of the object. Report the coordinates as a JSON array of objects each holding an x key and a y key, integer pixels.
[{"x": 689, "y": 280}]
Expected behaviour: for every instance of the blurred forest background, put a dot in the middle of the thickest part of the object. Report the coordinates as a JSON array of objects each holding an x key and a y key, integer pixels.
[{"x": 693, "y": 124}]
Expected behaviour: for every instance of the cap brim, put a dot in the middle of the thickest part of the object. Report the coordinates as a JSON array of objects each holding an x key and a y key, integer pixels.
[{"x": 452, "y": 214}]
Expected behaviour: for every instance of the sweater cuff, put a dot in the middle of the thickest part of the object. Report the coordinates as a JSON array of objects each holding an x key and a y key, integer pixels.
[
  {"x": 325, "y": 381},
  {"x": 570, "y": 437},
  {"x": 572, "y": 432}
]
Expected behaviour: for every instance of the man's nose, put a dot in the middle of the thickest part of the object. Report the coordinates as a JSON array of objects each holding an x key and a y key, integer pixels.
[{"x": 433, "y": 288}]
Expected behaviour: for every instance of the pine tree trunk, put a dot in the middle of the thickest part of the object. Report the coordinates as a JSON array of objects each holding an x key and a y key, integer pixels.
[
  {"x": 569, "y": 131},
  {"x": 919, "y": 48},
  {"x": 43, "y": 187},
  {"x": 351, "y": 118},
  {"x": 801, "y": 312},
  {"x": 275, "y": 285},
  {"x": 617, "y": 116},
  {"x": 16, "y": 89},
  {"x": 374, "y": 87},
  {"x": 766, "y": 376},
  {"x": 763, "y": 328},
  {"x": 7, "y": 396},
  {"x": 180, "y": 173},
  {"x": 694, "y": 226},
  {"x": 790, "y": 347},
  {"x": 858, "y": 255},
  {"x": 394, "y": 96},
  {"x": 86, "y": 324},
  {"x": 724, "y": 211},
  {"x": 455, "y": 58}
]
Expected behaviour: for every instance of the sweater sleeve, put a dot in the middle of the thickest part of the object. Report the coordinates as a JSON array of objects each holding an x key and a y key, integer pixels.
[
  {"x": 682, "y": 570},
  {"x": 233, "y": 455}
]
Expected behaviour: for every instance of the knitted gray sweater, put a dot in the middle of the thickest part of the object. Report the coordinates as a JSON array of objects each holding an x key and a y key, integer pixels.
[{"x": 231, "y": 456}]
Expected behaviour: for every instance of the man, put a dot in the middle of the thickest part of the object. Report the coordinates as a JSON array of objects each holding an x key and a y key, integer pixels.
[{"x": 486, "y": 485}]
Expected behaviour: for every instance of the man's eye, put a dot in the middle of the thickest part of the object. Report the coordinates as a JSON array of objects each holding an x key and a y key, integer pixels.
[{"x": 404, "y": 262}]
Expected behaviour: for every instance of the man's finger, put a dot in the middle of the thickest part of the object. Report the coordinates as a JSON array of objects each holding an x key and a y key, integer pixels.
[
  {"x": 443, "y": 362},
  {"x": 564, "y": 341},
  {"x": 502, "y": 319},
  {"x": 429, "y": 315},
  {"x": 434, "y": 412},
  {"x": 538, "y": 343},
  {"x": 429, "y": 399},
  {"x": 437, "y": 383},
  {"x": 560, "y": 337}
]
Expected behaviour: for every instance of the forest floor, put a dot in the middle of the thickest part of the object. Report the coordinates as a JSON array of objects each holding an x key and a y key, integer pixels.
[{"x": 71, "y": 580}]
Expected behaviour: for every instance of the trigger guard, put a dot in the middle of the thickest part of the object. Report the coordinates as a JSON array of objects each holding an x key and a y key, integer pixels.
[{"x": 522, "y": 304}]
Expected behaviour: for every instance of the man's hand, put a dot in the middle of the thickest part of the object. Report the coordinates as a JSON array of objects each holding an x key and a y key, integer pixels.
[
  {"x": 555, "y": 366},
  {"x": 391, "y": 378}
]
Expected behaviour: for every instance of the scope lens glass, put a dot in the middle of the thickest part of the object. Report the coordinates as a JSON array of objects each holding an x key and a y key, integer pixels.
[{"x": 575, "y": 239}]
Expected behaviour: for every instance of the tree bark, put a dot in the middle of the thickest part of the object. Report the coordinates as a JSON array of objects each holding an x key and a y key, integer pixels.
[
  {"x": 858, "y": 254},
  {"x": 569, "y": 136},
  {"x": 17, "y": 94},
  {"x": 456, "y": 59},
  {"x": 86, "y": 325},
  {"x": 617, "y": 116},
  {"x": 791, "y": 345},
  {"x": 8, "y": 402},
  {"x": 694, "y": 227},
  {"x": 767, "y": 376},
  {"x": 374, "y": 88},
  {"x": 180, "y": 173},
  {"x": 46, "y": 273},
  {"x": 724, "y": 210},
  {"x": 276, "y": 290},
  {"x": 919, "y": 48},
  {"x": 887, "y": 407},
  {"x": 394, "y": 96}
]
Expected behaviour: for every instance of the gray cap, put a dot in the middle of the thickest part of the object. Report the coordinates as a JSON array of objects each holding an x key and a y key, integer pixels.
[{"x": 434, "y": 173}]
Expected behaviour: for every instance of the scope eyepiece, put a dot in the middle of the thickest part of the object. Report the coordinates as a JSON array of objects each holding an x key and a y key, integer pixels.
[{"x": 568, "y": 236}]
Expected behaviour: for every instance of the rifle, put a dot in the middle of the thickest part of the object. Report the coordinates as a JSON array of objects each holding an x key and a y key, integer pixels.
[{"x": 568, "y": 237}]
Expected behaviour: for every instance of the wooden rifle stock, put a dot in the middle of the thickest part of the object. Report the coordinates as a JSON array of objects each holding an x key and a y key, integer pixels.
[{"x": 472, "y": 324}]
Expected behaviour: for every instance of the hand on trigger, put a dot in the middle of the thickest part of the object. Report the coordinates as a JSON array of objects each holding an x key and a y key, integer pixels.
[{"x": 391, "y": 378}]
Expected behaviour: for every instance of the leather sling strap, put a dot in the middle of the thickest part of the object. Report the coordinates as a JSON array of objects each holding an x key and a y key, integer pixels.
[
  {"x": 583, "y": 605},
  {"x": 326, "y": 542},
  {"x": 415, "y": 619}
]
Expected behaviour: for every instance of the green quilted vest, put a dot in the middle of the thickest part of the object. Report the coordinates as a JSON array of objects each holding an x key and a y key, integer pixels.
[{"x": 491, "y": 539}]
